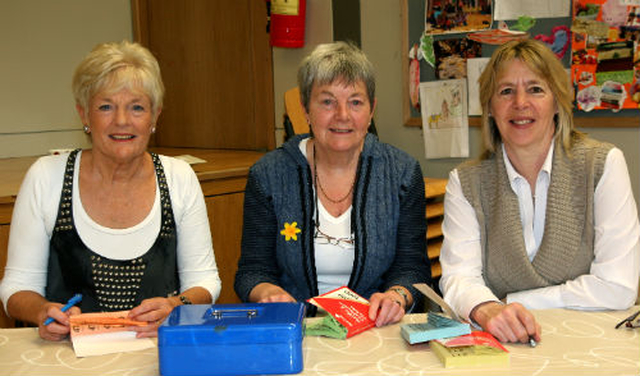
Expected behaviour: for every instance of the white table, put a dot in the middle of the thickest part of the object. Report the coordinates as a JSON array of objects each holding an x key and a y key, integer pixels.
[{"x": 573, "y": 343}]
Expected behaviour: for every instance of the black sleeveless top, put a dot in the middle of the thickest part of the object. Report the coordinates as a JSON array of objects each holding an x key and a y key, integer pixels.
[{"x": 106, "y": 284}]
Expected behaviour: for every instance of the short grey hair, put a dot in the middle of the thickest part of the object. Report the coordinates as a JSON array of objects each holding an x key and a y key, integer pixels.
[{"x": 338, "y": 61}]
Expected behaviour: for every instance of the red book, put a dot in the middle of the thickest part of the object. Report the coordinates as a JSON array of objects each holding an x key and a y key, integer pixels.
[{"x": 349, "y": 309}]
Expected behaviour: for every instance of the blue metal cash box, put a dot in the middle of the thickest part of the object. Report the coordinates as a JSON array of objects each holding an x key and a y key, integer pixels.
[{"x": 232, "y": 339}]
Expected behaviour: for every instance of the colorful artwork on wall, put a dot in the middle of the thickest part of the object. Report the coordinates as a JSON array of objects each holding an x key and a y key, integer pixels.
[
  {"x": 605, "y": 64},
  {"x": 457, "y": 16},
  {"x": 451, "y": 56}
]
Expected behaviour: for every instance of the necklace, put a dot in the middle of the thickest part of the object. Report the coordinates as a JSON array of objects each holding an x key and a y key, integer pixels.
[{"x": 319, "y": 185}]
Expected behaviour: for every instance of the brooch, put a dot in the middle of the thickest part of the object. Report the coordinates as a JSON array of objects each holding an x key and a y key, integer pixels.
[{"x": 290, "y": 231}]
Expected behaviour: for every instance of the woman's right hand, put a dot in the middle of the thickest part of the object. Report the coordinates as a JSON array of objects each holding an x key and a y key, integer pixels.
[
  {"x": 59, "y": 328},
  {"x": 270, "y": 293},
  {"x": 507, "y": 322}
]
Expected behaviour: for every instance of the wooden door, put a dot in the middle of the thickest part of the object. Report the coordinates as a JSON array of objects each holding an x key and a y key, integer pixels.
[{"x": 216, "y": 64}]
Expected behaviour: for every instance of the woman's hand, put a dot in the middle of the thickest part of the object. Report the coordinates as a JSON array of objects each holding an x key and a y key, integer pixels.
[
  {"x": 270, "y": 293},
  {"x": 153, "y": 311},
  {"x": 509, "y": 323},
  {"x": 59, "y": 328},
  {"x": 386, "y": 308}
]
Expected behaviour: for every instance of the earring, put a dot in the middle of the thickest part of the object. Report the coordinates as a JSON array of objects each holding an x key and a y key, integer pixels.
[
  {"x": 153, "y": 130},
  {"x": 86, "y": 129}
]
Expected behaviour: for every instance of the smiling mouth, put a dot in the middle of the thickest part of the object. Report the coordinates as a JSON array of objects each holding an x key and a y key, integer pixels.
[
  {"x": 343, "y": 131},
  {"x": 122, "y": 137},
  {"x": 522, "y": 122}
]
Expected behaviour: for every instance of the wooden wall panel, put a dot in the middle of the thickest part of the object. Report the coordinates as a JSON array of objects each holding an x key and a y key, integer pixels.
[
  {"x": 225, "y": 219},
  {"x": 216, "y": 65}
]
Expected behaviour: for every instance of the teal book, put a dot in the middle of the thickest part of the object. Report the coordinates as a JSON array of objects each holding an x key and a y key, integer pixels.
[{"x": 436, "y": 327}]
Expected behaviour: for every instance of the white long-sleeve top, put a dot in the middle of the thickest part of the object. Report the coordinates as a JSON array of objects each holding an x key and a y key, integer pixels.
[
  {"x": 36, "y": 209},
  {"x": 612, "y": 282}
]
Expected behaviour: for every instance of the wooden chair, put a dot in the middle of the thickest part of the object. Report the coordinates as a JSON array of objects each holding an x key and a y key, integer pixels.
[{"x": 295, "y": 121}]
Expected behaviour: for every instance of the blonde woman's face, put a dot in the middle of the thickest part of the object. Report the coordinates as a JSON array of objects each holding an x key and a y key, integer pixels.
[
  {"x": 523, "y": 107},
  {"x": 120, "y": 123}
]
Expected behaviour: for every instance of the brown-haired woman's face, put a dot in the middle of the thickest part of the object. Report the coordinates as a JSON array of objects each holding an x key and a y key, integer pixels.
[{"x": 523, "y": 107}]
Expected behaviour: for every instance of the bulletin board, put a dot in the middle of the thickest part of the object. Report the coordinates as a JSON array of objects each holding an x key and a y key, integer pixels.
[{"x": 413, "y": 23}]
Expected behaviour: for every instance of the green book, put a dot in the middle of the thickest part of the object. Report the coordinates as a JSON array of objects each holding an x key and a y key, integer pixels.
[{"x": 327, "y": 327}]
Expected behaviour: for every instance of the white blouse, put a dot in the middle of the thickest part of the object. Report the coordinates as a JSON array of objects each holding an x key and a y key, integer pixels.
[
  {"x": 613, "y": 279},
  {"x": 36, "y": 209}
]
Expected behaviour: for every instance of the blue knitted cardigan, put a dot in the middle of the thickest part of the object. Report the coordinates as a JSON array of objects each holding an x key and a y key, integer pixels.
[{"x": 388, "y": 220}]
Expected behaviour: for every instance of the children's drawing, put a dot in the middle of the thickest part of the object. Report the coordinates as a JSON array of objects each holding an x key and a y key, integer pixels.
[{"x": 444, "y": 118}]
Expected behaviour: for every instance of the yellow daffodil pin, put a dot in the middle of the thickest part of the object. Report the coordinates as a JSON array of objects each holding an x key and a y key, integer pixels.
[{"x": 290, "y": 231}]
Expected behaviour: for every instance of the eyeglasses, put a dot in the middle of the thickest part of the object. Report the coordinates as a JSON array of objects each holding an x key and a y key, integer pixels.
[
  {"x": 629, "y": 323},
  {"x": 322, "y": 238}
]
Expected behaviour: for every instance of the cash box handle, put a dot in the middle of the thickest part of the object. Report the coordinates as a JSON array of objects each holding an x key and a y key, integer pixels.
[{"x": 219, "y": 313}]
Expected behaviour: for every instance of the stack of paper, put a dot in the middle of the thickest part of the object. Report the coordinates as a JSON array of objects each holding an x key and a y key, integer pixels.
[
  {"x": 471, "y": 350},
  {"x": 105, "y": 333},
  {"x": 436, "y": 327}
]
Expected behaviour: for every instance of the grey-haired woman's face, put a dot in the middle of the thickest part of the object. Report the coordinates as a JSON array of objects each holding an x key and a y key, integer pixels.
[{"x": 340, "y": 115}]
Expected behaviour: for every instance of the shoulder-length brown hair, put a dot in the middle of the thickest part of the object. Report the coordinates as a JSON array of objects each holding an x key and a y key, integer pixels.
[{"x": 542, "y": 61}]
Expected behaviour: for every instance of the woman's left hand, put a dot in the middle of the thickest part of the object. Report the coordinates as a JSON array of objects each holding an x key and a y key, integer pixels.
[
  {"x": 153, "y": 311},
  {"x": 386, "y": 308}
]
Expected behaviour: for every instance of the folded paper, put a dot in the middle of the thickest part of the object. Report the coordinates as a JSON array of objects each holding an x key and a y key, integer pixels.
[{"x": 105, "y": 333}]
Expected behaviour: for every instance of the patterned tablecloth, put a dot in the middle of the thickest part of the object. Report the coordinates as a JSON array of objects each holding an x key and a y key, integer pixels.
[{"x": 573, "y": 343}]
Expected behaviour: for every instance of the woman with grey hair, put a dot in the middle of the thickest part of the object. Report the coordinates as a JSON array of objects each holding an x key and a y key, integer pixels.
[
  {"x": 125, "y": 228},
  {"x": 335, "y": 207},
  {"x": 546, "y": 217}
]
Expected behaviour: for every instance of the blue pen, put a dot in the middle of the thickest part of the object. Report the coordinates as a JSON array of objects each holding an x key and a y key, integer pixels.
[{"x": 73, "y": 301}]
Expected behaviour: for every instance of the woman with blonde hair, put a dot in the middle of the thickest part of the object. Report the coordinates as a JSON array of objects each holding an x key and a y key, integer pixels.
[
  {"x": 125, "y": 228},
  {"x": 546, "y": 217}
]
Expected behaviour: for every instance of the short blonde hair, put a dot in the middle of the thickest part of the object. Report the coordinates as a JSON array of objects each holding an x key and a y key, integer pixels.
[
  {"x": 542, "y": 61},
  {"x": 115, "y": 66}
]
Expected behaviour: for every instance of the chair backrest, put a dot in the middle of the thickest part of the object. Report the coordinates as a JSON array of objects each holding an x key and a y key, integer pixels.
[{"x": 295, "y": 121}]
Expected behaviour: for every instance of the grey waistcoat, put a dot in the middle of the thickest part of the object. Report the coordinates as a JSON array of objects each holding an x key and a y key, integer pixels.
[{"x": 566, "y": 251}]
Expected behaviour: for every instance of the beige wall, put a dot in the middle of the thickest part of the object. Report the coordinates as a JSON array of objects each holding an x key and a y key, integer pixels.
[
  {"x": 42, "y": 42},
  {"x": 318, "y": 29}
]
